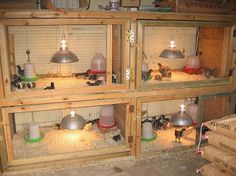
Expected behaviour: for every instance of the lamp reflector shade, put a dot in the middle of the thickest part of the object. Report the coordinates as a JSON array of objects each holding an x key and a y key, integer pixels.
[
  {"x": 171, "y": 54},
  {"x": 64, "y": 56},
  {"x": 72, "y": 121},
  {"x": 181, "y": 118}
]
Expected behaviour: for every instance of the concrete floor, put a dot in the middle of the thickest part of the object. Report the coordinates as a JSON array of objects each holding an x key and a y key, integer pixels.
[{"x": 180, "y": 163}]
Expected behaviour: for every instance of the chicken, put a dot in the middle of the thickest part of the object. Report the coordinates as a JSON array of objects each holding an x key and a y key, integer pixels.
[
  {"x": 210, "y": 73},
  {"x": 179, "y": 134},
  {"x": 52, "y": 86},
  {"x": 159, "y": 123},
  {"x": 164, "y": 70},
  {"x": 19, "y": 70}
]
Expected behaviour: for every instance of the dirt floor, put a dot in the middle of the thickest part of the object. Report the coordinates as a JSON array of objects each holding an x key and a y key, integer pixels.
[{"x": 178, "y": 163}]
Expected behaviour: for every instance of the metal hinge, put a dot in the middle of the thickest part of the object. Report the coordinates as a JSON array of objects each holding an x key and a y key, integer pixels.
[
  {"x": 234, "y": 33},
  {"x": 229, "y": 99},
  {"x": 230, "y": 72},
  {"x": 130, "y": 139},
  {"x": 131, "y": 108},
  {"x": 129, "y": 74},
  {"x": 131, "y": 36}
]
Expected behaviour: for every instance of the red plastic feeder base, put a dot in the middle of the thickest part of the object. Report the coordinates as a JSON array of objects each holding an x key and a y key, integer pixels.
[
  {"x": 96, "y": 72},
  {"x": 105, "y": 126},
  {"x": 191, "y": 71}
]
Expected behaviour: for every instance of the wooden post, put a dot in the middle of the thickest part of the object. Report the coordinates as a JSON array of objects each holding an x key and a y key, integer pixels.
[
  {"x": 4, "y": 61},
  {"x": 3, "y": 151},
  {"x": 109, "y": 55},
  {"x": 133, "y": 56},
  {"x": 138, "y": 127},
  {"x": 139, "y": 57},
  {"x": 1, "y": 78},
  {"x": 11, "y": 53}
]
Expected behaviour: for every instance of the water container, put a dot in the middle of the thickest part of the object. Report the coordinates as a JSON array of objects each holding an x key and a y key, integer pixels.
[
  {"x": 107, "y": 117},
  {"x": 192, "y": 62},
  {"x": 29, "y": 70},
  {"x": 147, "y": 130},
  {"x": 98, "y": 64},
  {"x": 192, "y": 110}
]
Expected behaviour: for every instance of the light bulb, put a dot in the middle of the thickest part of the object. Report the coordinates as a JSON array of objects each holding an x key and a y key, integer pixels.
[
  {"x": 182, "y": 107},
  {"x": 72, "y": 113},
  {"x": 172, "y": 44},
  {"x": 63, "y": 44}
]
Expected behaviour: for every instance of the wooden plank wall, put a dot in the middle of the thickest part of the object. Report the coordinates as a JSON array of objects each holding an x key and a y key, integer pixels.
[
  {"x": 156, "y": 39},
  {"x": 211, "y": 47},
  {"x": 120, "y": 117},
  {"x": 18, "y": 4},
  {"x": 43, "y": 41},
  {"x": 161, "y": 107},
  {"x": 215, "y": 107},
  {"x": 47, "y": 118}
]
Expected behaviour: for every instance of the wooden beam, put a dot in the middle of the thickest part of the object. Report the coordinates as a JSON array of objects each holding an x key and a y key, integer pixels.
[
  {"x": 14, "y": 14},
  {"x": 40, "y": 22},
  {"x": 109, "y": 55},
  {"x": 54, "y": 106}
]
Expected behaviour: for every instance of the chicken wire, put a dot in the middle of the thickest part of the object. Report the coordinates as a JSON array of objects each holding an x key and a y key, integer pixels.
[{"x": 58, "y": 141}]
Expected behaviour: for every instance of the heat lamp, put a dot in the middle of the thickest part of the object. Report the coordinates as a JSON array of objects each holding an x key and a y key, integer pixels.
[
  {"x": 172, "y": 52},
  {"x": 181, "y": 118},
  {"x": 72, "y": 121},
  {"x": 64, "y": 55}
]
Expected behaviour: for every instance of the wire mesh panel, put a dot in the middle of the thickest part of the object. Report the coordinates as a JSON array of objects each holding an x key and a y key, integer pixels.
[
  {"x": 103, "y": 129},
  {"x": 164, "y": 137},
  {"x": 181, "y": 52}
]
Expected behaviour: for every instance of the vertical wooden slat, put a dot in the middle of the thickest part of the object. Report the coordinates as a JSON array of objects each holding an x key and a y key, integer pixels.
[
  {"x": 139, "y": 56},
  {"x": 11, "y": 53},
  {"x": 109, "y": 55},
  {"x": 138, "y": 127},
  {"x": 3, "y": 151},
  {"x": 116, "y": 50},
  {"x": 7, "y": 135},
  {"x": 225, "y": 52},
  {"x": 1, "y": 78},
  {"x": 4, "y": 60},
  {"x": 133, "y": 125},
  {"x": 132, "y": 56},
  {"x": 125, "y": 52}
]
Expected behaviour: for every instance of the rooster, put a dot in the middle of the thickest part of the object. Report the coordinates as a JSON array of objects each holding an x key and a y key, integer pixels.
[{"x": 179, "y": 134}]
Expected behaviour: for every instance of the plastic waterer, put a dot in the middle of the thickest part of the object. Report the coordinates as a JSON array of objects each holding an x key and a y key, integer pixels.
[
  {"x": 147, "y": 130},
  {"x": 98, "y": 64},
  {"x": 192, "y": 110},
  {"x": 107, "y": 117},
  {"x": 192, "y": 65}
]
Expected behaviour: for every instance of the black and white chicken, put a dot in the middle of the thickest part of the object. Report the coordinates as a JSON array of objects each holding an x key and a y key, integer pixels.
[{"x": 179, "y": 134}]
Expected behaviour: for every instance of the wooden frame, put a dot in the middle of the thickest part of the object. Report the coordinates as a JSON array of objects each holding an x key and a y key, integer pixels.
[
  {"x": 130, "y": 3},
  {"x": 147, "y": 99},
  {"x": 201, "y": 97},
  {"x": 225, "y": 62},
  {"x": 126, "y": 126},
  {"x": 8, "y": 64}
]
